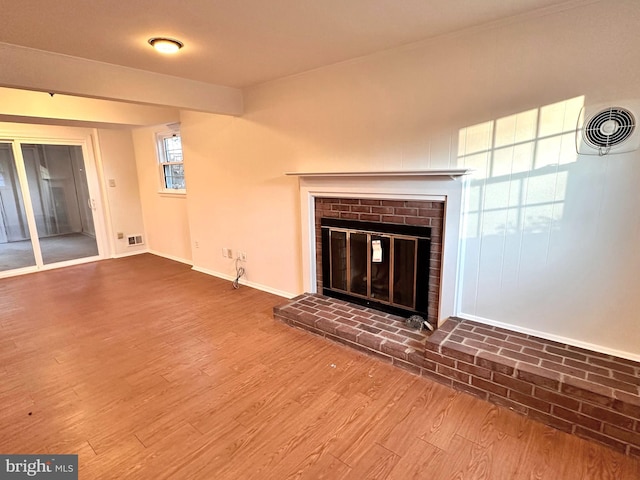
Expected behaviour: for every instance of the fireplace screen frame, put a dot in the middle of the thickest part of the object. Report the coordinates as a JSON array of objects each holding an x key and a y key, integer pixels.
[{"x": 388, "y": 233}]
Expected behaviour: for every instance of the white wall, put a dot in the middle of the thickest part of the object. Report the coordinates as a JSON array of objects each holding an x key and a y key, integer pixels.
[
  {"x": 165, "y": 215},
  {"x": 409, "y": 108},
  {"x": 123, "y": 199}
]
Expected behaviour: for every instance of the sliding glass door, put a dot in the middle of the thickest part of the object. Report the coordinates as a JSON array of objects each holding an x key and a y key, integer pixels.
[
  {"x": 16, "y": 250},
  {"x": 47, "y": 212}
]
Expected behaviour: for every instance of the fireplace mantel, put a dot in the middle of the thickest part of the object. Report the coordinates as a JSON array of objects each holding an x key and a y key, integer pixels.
[{"x": 431, "y": 172}]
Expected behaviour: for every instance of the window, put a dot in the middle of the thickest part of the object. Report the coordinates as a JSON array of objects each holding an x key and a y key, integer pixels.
[{"x": 171, "y": 166}]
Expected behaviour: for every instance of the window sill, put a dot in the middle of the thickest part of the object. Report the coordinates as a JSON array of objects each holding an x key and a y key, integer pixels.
[{"x": 173, "y": 193}]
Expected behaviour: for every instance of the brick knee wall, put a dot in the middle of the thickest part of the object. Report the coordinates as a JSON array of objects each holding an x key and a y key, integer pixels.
[{"x": 588, "y": 394}]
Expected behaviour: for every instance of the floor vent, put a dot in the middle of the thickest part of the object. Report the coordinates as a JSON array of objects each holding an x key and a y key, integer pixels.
[{"x": 133, "y": 240}]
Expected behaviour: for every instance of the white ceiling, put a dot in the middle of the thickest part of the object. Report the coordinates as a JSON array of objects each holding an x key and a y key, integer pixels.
[{"x": 240, "y": 43}]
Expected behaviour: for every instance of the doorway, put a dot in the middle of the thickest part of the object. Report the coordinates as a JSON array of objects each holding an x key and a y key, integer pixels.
[{"x": 46, "y": 206}]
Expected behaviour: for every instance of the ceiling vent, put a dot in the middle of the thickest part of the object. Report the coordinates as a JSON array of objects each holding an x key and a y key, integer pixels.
[{"x": 604, "y": 130}]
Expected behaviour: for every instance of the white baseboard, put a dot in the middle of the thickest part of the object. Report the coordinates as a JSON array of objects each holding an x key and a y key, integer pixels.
[
  {"x": 244, "y": 282},
  {"x": 170, "y": 257},
  {"x": 129, "y": 254},
  {"x": 552, "y": 337}
]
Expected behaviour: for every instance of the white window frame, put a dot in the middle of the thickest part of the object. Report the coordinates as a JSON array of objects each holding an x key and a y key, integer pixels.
[{"x": 163, "y": 161}]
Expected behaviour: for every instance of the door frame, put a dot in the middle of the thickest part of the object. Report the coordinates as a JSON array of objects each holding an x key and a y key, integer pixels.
[{"x": 16, "y": 135}]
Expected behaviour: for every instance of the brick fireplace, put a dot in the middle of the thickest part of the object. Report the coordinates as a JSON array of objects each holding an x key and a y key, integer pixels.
[{"x": 398, "y": 212}]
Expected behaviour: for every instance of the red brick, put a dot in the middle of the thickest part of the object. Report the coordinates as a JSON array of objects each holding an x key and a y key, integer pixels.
[
  {"x": 482, "y": 346},
  {"x": 392, "y": 219},
  {"x": 369, "y": 340},
  {"x": 607, "y": 416},
  {"x": 436, "y": 338},
  {"x": 307, "y": 319},
  {"x": 610, "y": 442},
  {"x": 613, "y": 366},
  {"x": 393, "y": 203},
  {"x": 490, "y": 333},
  {"x": 519, "y": 356},
  {"x": 360, "y": 209},
  {"x": 563, "y": 352},
  {"x": 436, "y": 357},
  {"x": 626, "y": 403},
  {"x": 503, "y": 344},
  {"x": 417, "y": 221},
  {"x": 362, "y": 319},
  {"x": 348, "y": 201},
  {"x": 327, "y": 325},
  {"x": 347, "y": 332},
  {"x": 448, "y": 326},
  {"x": 368, "y": 328},
  {"x": 626, "y": 361},
  {"x": 576, "y": 418},
  {"x": 495, "y": 363},
  {"x": 530, "y": 401},
  {"x": 461, "y": 352},
  {"x": 395, "y": 349},
  {"x": 393, "y": 336},
  {"x": 543, "y": 355},
  {"x": 476, "y": 392},
  {"x": 366, "y": 201},
  {"x": 340, "y": 208},
  {"x": 369, "y": 217},
  {"x": 431, "y": 212},
  {"x": 382, "y": 210},
  {"x": 347, "y": 321},
  {"x": 556, "y": 398},
  {"x": 576, "y": 387},
  {"x": 612, "y": 382},
  {"x": 437, "y": 377},
  {"x": 551, "y": 420},
  {"x": 513, "y": 383},
  {"x": 453, "y": 373},
  {"x": 406, "y": 366},
  {"x": 504, "y": 402},
  {"x": 418, "y": 358},
  {"x": 406, "y": 211},
  {"x": 385, "y": 326},
  {"x": 525, "y": 342},
  {"x": 585, "y": 366},
  {"x": 538, "y": 376},
  {"x": 455, "y": 338},
  {"x": 489, "y": 386},
  {"x": 474, "y": 370},
  {"x": 471, "y": 335},
  {"x": 635, "y": 380},
  {"x": 349, "y": 216},
  {"x": 564, "y": 369}
]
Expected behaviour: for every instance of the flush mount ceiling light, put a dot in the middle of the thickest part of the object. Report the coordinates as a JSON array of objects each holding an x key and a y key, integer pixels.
[{"x": 165, "y": 45}]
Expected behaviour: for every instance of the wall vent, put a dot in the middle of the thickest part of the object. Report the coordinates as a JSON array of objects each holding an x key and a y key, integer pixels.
[
  {"x": 603, "y": 130},
  {"x": 133, "y": 240}
]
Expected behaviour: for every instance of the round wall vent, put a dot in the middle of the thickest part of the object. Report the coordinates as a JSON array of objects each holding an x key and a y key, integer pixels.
[{"x": 609, "y": 127}]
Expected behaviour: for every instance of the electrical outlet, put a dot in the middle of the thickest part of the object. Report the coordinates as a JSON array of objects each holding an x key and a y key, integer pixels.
[
  {"x": 120, "y": 235},
  {"x": 196, "y": 244},
  {"x": 242, "y": 256},
  {"x": 229, "y": 253}
]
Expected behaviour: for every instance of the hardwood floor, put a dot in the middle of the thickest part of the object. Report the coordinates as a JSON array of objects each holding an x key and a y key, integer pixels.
[{"x": 149, "y": 370}]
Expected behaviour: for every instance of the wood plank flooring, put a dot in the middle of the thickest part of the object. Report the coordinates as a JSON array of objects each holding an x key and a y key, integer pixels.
[{"x": 149, "y": 370}]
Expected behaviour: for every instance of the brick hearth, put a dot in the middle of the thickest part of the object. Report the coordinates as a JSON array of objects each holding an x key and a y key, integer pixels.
[{"x": 589, "y": 394}]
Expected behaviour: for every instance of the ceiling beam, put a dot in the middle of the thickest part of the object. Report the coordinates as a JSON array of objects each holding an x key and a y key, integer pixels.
[{"x": 31, "y": 69}]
